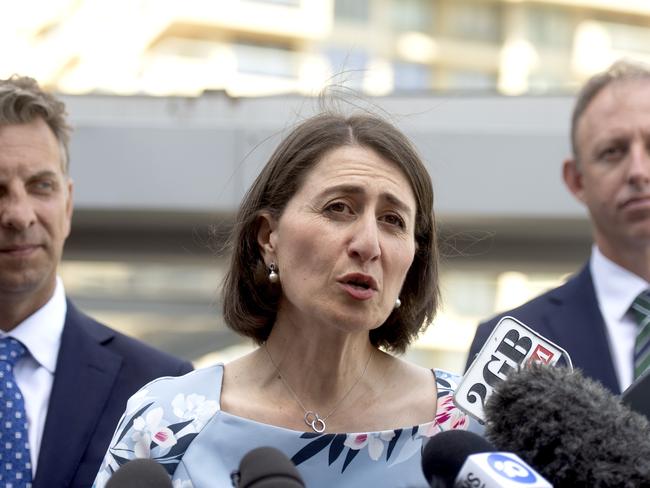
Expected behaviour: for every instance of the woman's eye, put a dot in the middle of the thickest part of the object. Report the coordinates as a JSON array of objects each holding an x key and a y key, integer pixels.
[
  {"x": 337, "y": 207},
  {"x": 395, "y": 220}
]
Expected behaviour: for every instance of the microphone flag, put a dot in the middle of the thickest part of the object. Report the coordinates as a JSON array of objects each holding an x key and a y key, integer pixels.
[{"x": 511, "y": 346}]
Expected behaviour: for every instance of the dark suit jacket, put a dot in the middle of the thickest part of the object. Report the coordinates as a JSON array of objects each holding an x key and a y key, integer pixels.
[
  {"x": 569, "y": 316},
  {"x": 97, "y": 370}
]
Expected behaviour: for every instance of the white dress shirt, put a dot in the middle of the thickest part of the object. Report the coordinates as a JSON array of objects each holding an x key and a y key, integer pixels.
[
  {"x": 616, "y": 288},
  {"x": 40, "y": 333}
]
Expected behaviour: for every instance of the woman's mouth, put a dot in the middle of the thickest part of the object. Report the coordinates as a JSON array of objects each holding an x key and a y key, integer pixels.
[{"x": 359, "y": 286}]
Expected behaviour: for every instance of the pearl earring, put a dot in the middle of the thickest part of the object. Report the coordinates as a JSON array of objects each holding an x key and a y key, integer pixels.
[
  {"x": 398, "y": 303},
  {"x": 273, "y": 273}
]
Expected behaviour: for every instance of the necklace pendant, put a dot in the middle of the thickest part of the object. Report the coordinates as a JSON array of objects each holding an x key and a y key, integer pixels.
[
  {"x": 313, "y": 420},
  {"x": 310, "y": 417},
  {"x": 318, "y": 424}
]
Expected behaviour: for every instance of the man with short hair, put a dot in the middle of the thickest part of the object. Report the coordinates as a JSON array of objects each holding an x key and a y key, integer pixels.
[
  {"x": 64, "y": 378},
  {"x": 599, "y": 316}
]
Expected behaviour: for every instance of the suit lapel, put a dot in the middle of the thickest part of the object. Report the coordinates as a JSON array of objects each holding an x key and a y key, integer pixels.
[
  {"x": 580, "y": 328},
  {"x": 85, "y": 374}
]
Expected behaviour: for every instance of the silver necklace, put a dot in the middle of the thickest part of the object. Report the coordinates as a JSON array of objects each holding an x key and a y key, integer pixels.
[{"x": 311, "y": 418}]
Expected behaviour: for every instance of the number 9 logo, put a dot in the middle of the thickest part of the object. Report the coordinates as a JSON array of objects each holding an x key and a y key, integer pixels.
[{"x": 510, "y": 468}]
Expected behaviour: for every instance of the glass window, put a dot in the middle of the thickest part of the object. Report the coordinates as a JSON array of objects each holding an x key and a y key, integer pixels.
[
  {"x": 348, "y": 65},
  {"x": 172, "y": 305},
  {"x": 544, "y": 80},
  {"x": 287, "y": 3},
  {"x": 549, "y": 27},
  {"x": 413, "y": 15},
  {"x": 476, "y": 21},
  {"x": 472, "y": 295},
  {"x": 412, "y": 76},
  {"x": 457, "y": 285},
  {"x": 264, "y": 59},
  {"x": 185, "y": 48},
  {"x": 627, "y": 37},
  {"x": 355, "y": 10},
  {"x": 471, "y": 80}
]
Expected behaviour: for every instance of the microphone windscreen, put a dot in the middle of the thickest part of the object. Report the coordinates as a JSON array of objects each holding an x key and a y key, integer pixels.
[
  {"x": 444, "y": 454},
  {"x": 570, "y": 428},
  {"x": 267, "y": 467},
  {"x": 140, "y": 473}
]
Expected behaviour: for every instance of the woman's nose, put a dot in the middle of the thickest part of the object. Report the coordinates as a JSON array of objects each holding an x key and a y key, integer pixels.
[{"x": 364, "y": 242}]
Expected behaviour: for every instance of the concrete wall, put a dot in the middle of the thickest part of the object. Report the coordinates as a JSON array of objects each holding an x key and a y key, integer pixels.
[{"x": 488, "y": 156}]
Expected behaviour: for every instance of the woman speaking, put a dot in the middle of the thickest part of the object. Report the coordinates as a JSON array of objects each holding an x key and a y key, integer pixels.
[{"x": 334, "y": 268}]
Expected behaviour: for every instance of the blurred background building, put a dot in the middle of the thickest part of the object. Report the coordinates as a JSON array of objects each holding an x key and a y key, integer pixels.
[{"x": 177, "y": 104}]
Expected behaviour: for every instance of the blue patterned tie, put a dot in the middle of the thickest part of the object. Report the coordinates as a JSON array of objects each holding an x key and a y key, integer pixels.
[
  {"x": 15, "y": 462},
  {"x": 641, "y": 311}
]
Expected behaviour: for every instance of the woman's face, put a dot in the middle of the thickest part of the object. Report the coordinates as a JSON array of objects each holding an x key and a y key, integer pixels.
[{"x": 345, "y": 241}]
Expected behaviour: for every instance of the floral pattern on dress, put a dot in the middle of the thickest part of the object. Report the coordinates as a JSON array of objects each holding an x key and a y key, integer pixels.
[
  {"x": 156, "y": 434},
  {"x": 163, "y": 419}
]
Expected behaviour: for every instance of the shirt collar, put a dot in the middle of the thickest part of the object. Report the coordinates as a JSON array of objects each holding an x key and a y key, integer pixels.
[
  {"x": 41, "y": 332},
  {"x": 616, "y": 287}
]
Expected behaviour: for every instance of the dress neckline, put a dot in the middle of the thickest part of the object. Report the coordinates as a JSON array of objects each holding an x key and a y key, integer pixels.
[{"x": 426, "y": 425}]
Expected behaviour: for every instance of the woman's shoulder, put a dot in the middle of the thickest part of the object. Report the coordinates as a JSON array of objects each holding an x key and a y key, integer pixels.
[
  {"x": 204, "y": 383},
  {"x": 163, "y": 418},
  {"x": 194, "y": 397},
  {"x": 416, "y": 378},
  {"x": 202, "y": 379}
]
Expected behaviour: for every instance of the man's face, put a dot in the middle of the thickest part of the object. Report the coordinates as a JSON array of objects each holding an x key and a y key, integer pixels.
[
  {"x": 35, "y": 211},
  {"x": 612, "y": 173}
]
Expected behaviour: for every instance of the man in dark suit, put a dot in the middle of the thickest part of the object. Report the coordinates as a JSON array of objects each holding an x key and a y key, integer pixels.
[
  {"x": 73, "y": 374},
  {"x": 609, "y": 172}
]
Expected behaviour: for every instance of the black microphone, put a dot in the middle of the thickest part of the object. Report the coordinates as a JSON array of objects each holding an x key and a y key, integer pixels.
[
  {"x": 140, "y": 473},
  {"x": 458, "y": 458},
  {"x": 570, "y": 428},
  {"x": 267, "y": 467},
  {"x": 445, "y": 453}
]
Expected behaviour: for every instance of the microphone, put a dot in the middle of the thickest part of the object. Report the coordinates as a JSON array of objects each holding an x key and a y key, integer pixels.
[
  {"x": 444, "y": 454},
  {"x": 267, "y": 467},
  {"x": 511, "y": 346},
  {"x": 458, "y": 458},
  {"x": 140, "y": 473},
  {"x": 570, "y": 428}
]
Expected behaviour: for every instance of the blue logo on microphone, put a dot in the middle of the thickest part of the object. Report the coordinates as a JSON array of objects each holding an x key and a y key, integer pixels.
[{"x": 510, "y": 468}]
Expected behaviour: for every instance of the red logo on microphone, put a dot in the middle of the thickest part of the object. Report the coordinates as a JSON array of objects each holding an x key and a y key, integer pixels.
[{"x": 541, "y": 355}]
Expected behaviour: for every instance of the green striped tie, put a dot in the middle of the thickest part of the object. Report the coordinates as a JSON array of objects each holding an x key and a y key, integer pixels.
[{"x": 641, "y": 311}]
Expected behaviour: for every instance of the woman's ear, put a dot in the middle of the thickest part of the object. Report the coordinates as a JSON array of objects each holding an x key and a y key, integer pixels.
[{"x": 267, "y": 237}]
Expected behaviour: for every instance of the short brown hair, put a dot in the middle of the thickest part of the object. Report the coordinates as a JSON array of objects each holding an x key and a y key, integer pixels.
[
  {"x": 622, "y": 70},
  {"x": 250, "y": 302},
  {"x": 22, "y": 101}
]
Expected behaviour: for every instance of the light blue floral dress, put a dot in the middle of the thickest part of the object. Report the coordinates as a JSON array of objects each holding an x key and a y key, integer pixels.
[{"x": 178, "y": 423}]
